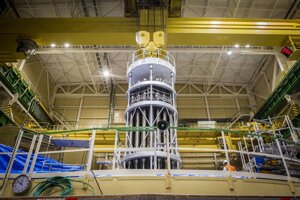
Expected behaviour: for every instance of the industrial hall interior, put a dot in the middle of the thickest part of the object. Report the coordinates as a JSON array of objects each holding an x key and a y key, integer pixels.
[{"x": 150, "y": 99}]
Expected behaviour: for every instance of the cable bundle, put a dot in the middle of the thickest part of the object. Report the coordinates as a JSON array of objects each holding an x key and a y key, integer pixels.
[{"x": 56, "y": 182}]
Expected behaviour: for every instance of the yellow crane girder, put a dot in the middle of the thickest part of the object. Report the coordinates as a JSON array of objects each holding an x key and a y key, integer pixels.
[
  {"x": 121, "y": 31},
  {"x": 181, "y": 31}
]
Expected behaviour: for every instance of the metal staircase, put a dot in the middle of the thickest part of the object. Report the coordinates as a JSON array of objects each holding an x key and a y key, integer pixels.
[
  {"x": 286, "y": 86},
  {"x": 12, "y": 81}
]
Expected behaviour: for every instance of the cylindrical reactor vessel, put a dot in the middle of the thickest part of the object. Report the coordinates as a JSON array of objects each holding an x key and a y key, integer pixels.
[{"x": 151, "y": 98}]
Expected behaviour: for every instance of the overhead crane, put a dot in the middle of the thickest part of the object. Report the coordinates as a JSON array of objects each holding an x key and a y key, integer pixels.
[{"x": 121, "y": 31}]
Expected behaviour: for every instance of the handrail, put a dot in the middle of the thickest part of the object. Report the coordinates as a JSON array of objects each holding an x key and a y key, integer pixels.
[{"x": 143, "y": 53}]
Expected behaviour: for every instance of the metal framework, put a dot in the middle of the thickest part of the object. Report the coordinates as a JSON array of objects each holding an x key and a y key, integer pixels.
[{"x": 194, "y": 62}]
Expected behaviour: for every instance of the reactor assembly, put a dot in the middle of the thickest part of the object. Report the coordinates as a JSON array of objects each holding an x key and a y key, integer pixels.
[{"x": 151, "y": 103}]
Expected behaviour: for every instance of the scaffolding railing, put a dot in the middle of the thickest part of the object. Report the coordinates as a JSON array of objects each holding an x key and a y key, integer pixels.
[{"x": 257, "y": 151}]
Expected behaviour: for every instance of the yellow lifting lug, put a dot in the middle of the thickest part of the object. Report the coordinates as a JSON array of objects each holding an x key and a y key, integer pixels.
[
  {"x": 159, "y": 38},
  {"x": 143, "y": 40}
]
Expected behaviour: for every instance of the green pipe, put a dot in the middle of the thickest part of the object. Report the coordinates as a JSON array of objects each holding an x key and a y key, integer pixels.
[{"x": 106, "y": 129}]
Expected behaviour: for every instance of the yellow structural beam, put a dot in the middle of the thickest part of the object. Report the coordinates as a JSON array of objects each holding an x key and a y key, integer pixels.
[
  {"x": 256, "y": 32},
  {"x": 121, "y": 31},
  {"x": 185, "y": 138},
  {"x": 76, "y": 31},
  {"x": 180, "y": 187}
]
